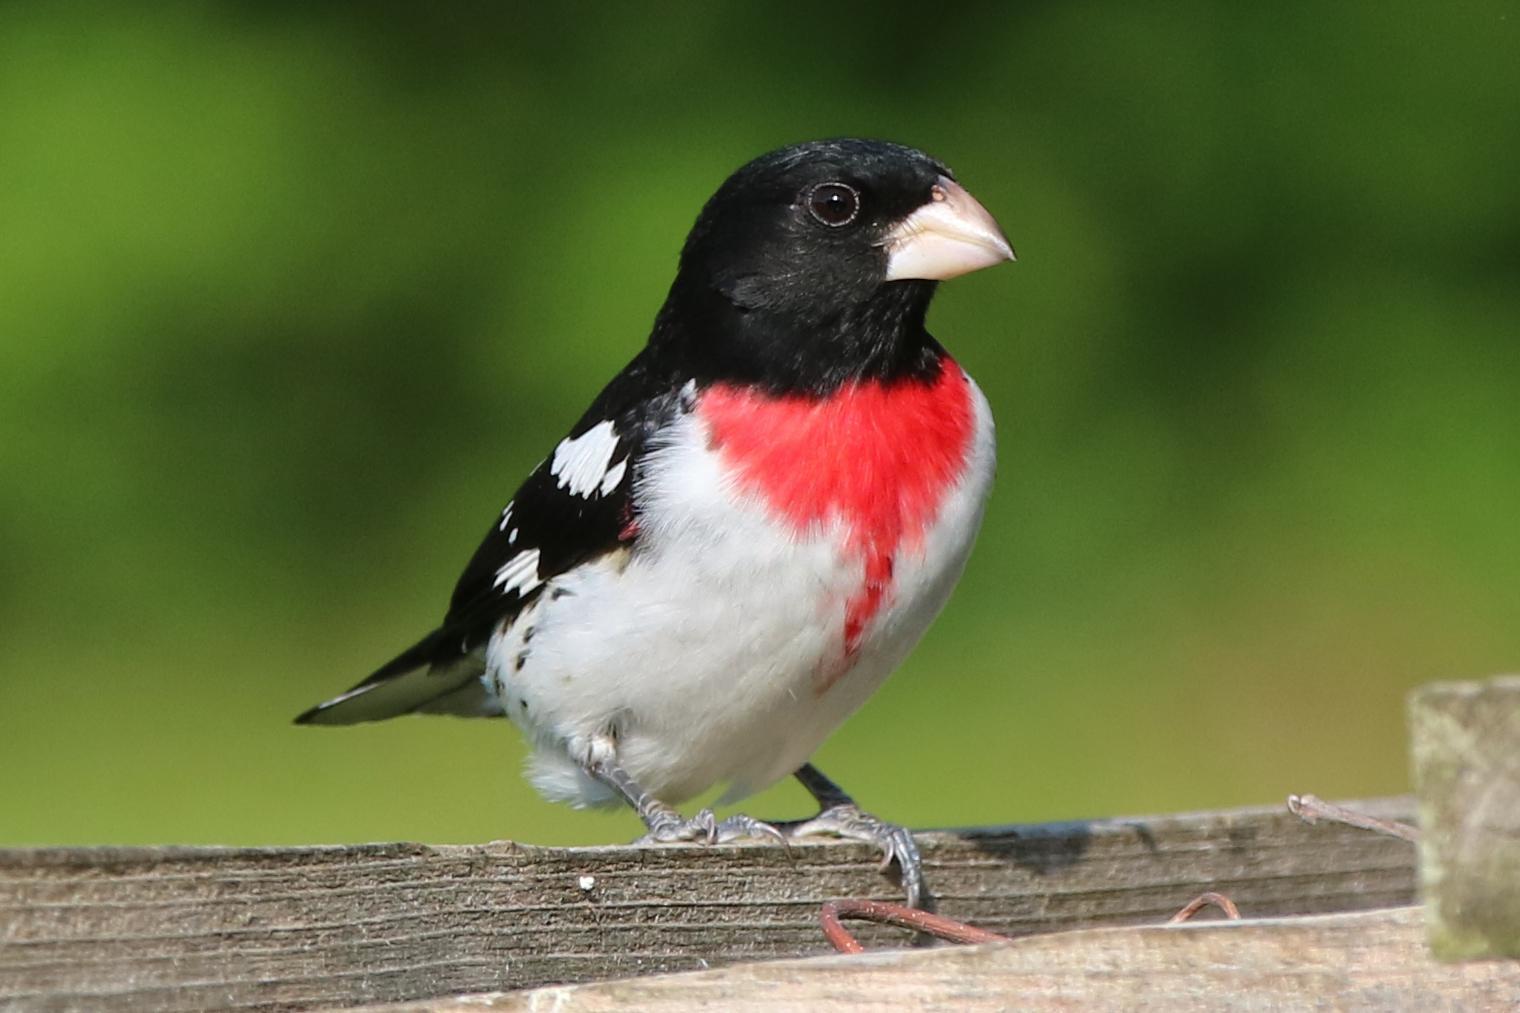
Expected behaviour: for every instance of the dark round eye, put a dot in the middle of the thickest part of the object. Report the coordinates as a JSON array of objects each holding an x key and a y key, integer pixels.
[{"x": 834, "y": 204}]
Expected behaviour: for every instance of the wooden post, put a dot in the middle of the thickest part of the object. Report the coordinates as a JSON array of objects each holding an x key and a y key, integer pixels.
[{"x": 1466, "y": 750}]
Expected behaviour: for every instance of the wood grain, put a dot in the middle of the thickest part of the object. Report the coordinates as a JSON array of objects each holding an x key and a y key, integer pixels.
[
  {"x": 192, "y": 928},
  {"x": 1466, "y": 749},
  {"x": 1373, "y": 960}
]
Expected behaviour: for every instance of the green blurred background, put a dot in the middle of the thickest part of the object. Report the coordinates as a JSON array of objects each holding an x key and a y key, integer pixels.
[{"x": 291, "y": 295}]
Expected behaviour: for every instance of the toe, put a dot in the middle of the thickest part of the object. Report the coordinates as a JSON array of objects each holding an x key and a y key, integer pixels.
[
  {"x": 747, "y": 828},
  {"x": 904, "y": 851},
  {"x": 701, "y": 827},
  {"x": 896, "y": 843}
]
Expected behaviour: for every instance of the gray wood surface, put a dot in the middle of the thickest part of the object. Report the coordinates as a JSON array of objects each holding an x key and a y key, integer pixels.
[
  {"x": 1373, "y": 960},
  {"x": 1466, "y": 748},
  {"x": 192, "y": 928}
]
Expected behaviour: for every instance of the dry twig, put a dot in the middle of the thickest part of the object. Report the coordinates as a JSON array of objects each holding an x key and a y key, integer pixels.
[
  {"x": 834, "y": 912},
  {"x": 894, "y": 914},
  {"x": 1311, "y": 809},
  {"x": 1202, "y": 901}
]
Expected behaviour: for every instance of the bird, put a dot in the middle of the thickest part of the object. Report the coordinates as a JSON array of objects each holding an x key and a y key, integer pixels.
[{"x": 752, "y": 524}]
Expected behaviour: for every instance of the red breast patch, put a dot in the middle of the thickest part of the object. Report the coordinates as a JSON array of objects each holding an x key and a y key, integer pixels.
[{"x": 877, "y": 456}]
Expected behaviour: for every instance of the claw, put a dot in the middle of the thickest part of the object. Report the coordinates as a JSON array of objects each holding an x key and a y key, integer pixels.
[
  {"x": 896, "y": 843},
  {"x": 672, "y": 829},
  {"x": 704, "y": 828},
  {"x": 746, "y": 828}
]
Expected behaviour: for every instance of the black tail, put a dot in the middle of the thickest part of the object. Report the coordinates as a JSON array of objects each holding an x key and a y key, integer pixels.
[{"x": 412, "y": 681}]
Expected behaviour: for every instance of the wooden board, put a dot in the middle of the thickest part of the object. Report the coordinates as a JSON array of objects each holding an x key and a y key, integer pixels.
[
  {"x": 1373, "y": 960},
  {"x": 191, "y": 928},
  {"x": 1466, "y": 748}
]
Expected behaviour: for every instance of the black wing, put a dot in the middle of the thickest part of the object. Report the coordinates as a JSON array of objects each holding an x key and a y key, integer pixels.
[{"x": 577, "y": 505}]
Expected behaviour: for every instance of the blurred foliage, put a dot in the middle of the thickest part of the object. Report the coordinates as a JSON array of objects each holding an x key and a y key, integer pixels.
[{"x": 291, "y": 295}]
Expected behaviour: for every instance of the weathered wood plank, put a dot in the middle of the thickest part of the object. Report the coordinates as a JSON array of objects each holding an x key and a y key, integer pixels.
[
  {"x": 190, "y": 928},
  {"x": 1371, "y": 960},
  {"x": 1466, "y": 748}
]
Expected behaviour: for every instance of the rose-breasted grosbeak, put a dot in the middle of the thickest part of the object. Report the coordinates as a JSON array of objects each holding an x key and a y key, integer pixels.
[{"x": 752, "y": 524}]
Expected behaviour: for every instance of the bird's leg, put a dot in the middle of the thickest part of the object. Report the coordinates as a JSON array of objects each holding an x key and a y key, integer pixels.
[
  {"x": 839, "y": 816},
  {"x": 665, "y": 825}
]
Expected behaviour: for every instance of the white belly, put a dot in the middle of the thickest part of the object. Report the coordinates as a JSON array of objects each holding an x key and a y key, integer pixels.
[{"x": 715, "y": 653}]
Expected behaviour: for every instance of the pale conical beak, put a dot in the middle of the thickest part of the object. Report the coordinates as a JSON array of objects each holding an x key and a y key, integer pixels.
[{"x": 949, "y": 236}]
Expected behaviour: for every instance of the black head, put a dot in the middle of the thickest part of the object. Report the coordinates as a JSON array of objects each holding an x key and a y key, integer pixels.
[{"x": 814, "y": 264}]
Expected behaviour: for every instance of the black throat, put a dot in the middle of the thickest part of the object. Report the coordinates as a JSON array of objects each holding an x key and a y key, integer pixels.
[{"x": 713, "y": 339}]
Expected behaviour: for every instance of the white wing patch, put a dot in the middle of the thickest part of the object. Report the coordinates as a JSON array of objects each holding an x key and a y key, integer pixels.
[
  {"x": 581, "y": 464},
  {"x": 506, "y": 518},
  {"x": 614, "y": 476},
  {"x": 520, "y": 573}
]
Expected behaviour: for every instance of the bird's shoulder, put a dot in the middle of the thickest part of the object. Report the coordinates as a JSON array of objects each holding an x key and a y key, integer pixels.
[{"x": 577, "y": 505}]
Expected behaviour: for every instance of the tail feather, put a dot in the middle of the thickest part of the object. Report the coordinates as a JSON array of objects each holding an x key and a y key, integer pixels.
[{"x": 411, "y": 682}]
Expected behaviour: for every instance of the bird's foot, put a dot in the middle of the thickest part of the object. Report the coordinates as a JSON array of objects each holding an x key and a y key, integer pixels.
[
  {"x": 897, "y": 845},
  {"x": 668, "y": 827},
  {"x": 746, "y": 828}
]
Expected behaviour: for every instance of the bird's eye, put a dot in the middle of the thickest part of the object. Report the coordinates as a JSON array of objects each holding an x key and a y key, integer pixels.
[{"x": 834, "y": 204}]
